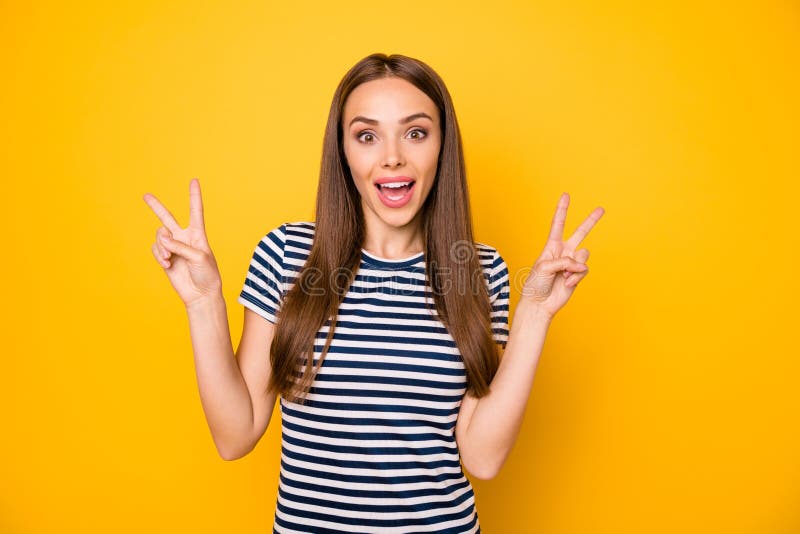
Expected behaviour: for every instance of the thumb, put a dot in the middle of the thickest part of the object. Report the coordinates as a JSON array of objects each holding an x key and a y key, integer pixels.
[
  {"x": 181, "y": 249},
  {"x": 562, "y": 264}
]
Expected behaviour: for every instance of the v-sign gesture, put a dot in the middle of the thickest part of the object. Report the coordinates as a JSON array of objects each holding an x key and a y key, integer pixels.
[
  {"x": 184, "y": 253},
  {"x": 561, "y": 265}
]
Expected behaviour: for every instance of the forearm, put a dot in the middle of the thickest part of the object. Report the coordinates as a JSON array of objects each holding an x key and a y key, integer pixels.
[
  {"x": 223, "y": 391},
  {"x": 498, "y": 416}
]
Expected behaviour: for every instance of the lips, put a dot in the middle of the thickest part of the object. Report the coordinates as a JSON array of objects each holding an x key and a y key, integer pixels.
[{"x": 395, "y": 191}]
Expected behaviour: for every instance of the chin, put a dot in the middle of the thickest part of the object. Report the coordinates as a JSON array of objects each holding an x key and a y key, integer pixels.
[{"x": 396, "y": 219}]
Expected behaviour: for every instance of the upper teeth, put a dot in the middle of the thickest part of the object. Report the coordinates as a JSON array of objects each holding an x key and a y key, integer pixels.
[{"x": 395, "y": 184}]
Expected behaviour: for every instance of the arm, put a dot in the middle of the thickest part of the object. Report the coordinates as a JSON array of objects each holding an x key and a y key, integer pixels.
[
  {"x": 231, "y": 387},
  {"x": 487, "y": 428}
]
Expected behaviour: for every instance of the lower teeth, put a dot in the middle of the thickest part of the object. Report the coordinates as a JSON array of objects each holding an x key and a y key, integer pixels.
[{"x": 395, "y": 194}]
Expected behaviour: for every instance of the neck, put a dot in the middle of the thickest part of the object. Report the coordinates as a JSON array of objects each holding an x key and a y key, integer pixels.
[{"x": 393, "y": 242}]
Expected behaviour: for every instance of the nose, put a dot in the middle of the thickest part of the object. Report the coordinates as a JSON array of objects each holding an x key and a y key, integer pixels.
[{"x": 393, "y": 155}]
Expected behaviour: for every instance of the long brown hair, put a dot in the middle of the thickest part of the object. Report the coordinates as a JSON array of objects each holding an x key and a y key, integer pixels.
[{"x": 339, "y": 235}]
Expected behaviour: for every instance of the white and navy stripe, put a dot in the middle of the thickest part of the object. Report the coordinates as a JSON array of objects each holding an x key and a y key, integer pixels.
[{"x": 373, "y": 449}]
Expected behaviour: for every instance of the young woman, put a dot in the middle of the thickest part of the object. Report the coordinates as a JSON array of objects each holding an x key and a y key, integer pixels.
[{"x": 405, "y": 317}]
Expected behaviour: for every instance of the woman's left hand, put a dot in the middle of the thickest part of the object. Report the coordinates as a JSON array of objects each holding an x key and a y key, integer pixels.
[{"x": 561, "y": 265}]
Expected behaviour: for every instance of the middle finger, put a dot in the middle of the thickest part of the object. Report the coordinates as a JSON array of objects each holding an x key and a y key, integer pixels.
[{"x": 580, "y": 233}]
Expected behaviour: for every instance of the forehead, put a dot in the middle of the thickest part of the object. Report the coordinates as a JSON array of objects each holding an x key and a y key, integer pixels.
[{"x": 387, "y": 100}]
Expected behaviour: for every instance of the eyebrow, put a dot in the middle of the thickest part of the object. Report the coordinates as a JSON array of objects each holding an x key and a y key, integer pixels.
[{"x": 401, "y": 121}]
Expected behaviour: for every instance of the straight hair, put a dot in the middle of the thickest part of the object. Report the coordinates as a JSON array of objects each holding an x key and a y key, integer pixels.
[{"x": 339, "y": 234}]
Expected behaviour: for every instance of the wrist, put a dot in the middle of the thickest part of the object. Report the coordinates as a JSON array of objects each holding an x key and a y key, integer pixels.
[
  {"x": 206, "y": 303},
  {"x": 530, "y": 312}
]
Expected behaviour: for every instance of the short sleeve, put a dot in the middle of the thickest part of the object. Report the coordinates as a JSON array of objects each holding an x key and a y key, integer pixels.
[
  {"x": 263, "y": 289},
  {"x": 499, "y": 292}
]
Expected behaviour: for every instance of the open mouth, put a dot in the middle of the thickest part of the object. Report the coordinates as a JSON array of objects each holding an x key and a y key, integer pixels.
[
  {"x": 396, "y": 194},
  {"x": 395, "y": 191}
]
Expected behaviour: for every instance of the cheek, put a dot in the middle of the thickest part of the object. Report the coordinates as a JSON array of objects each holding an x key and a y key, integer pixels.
[
  {"x": 432, "y": 159},
  {"x": 357, "y": 170},
  {"x": 355, "y": 161}
]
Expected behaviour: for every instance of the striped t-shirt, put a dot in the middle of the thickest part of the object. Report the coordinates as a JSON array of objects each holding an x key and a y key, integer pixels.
[{"x": 374, "y": 449}]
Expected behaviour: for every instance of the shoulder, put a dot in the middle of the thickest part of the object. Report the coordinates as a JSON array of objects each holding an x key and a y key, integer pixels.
[
  {"x": 495, "y": 271},
  {"x": 299, "y": 231},
  {"x": 289, "y": 233},
  {"x": 296, "y": 238},
  {"x": 489, "y": 257}
]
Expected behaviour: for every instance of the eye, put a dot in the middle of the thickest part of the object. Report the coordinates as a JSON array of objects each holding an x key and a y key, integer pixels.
[
  {"x": 421, "y": 134},
  {"x": 366, "y": 137}
]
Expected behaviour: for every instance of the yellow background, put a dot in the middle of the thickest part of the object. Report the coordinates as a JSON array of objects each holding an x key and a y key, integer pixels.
[{"x": 666, "y": 399}]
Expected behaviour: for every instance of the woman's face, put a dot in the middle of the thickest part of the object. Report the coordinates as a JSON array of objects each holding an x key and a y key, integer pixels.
[{"x": 391, "y": 137}]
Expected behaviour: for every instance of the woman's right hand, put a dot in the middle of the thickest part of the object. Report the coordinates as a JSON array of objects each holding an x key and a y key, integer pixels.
[{"x": 184, "y": 253}]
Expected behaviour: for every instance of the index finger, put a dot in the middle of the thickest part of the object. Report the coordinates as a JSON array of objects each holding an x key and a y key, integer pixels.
[
  {"x": 557, "y": 226},
  {"x": 195, "y": 204},
  {"x": 581, "y": 232},
  {"x": 162, "y": 213}
]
